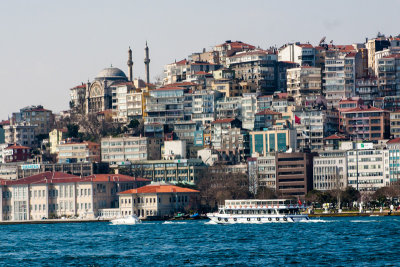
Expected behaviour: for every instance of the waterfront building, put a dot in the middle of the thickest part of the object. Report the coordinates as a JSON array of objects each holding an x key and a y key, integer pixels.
[
  {"x": 304, "y": 84},
  {"x": 330, "y": 171},
  {"x": 55, "y": 138},
  {"x": 118, "y": 150},
  {"x": 266, "y": 169},
  {"x": 170, "y": 171},
  {"x": 78, "y": 152},
  {"x": 56, "y": 195},
  {"x": 302, "y": 54},
  {"x": 394, "y": 159},
  {"x": 367, "y": 169},
  {"x": 157, "y": 200},
  {"x": 294, "y": 174},
  {"x": 22, "y": 133},
  {"x": 272, "y": 140}
]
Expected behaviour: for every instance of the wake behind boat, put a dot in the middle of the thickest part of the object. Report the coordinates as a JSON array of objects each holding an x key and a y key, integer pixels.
[
  {"x": 258, "y": 211},
  {"x": 127, "y": 220}
]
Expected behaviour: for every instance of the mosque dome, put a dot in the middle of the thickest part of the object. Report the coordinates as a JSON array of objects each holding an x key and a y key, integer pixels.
[{"x": 111, "y": 74}]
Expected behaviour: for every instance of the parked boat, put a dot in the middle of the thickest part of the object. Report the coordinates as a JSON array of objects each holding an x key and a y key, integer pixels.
[
  {"x": 128, "y": 220},
  {"x": 259, "y": 211}
]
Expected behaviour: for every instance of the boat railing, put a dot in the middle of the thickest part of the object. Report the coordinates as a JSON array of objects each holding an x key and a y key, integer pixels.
[{"x": 270, "y": 206}]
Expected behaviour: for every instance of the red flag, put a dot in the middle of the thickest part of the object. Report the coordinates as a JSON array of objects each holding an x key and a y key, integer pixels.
[
  {"x": 299, "y": 202},
  {"x": 297, "y": 120}
]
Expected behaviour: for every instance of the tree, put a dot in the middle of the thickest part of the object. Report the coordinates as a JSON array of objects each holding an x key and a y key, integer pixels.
[
  {"x": 350, "y": 195},
  {"x": 133, "y": 124},
  {"x": 264, "y": 192},
  {"x": 73, "y": 131}
]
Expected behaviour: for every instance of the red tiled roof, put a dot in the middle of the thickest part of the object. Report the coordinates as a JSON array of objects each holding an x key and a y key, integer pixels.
[
  {"x": 238, "y": 44},
  {"x": 228, "y": 120},
  {"x": 268, "y": 112},
  {"x": 360, "y": 109},
  {"x": 336, "y": 136},
  {"x": 159, "y": 189},
  {"x": 394, "y": 141},
  {"x": 392, "y": 56},
  {"x": 46, "y": 178},
  {"x": 202, "y": 73},
  {"x": 305, "y": 45},
  {"x": 351, "y": 54},
  {"x": 182, "y": 62},
  {"x": 168, "y": 88},
  {"x": 80, "y": 86},
  {"x": 17, "y": 147},
  {"x": 60, "y": 177},
  {"x": 282, "y": 95},
  {"x": 7, "y": 122}
]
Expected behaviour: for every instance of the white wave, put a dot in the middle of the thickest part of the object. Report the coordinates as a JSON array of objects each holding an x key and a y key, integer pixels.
[
  {"x": 314, "y": 221},
  {"x": 363, "y": 221},
  {"x": 169, "y": 222},
  {"x": 211, "y": 222}
]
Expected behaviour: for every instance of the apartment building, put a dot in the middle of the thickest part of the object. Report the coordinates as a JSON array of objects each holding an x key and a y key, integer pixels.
[
  {"x": 120, "y": 150},
  {"x": 302, "y": 54},
  {"x": 365, "y": 123},
  {"x": 257, "y": 66},
  {"x": 22, "y": 133},
  {"x": 55, "y": 138},
  {"x": 294, "y": 174},
  {"x": 78, "y": 152},
  {"x": 389, "y": 75},
  {"x": 272, "y": 140},
  {"x": 304, "y": 84},
  {"x": 395, "y": 124},
  {"x": 367, "y": 168},
  {"x": 330, "y": 171},
  {"x": 170, "y": 171},
  {"x": 266, "y": 170},
  {"x": 37, "y": 116}
]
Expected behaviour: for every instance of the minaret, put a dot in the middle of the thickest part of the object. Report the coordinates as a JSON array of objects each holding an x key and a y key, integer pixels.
[
  {"x": 147, "y": 63},
  {"x": 130, "y": 64}
]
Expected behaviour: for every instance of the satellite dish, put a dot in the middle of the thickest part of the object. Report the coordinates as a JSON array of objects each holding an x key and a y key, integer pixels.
[{"x": 322, "y": 40}]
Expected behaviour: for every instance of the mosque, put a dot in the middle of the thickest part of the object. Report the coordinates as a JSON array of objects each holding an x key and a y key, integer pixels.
[{"x": 98, "y": 95}]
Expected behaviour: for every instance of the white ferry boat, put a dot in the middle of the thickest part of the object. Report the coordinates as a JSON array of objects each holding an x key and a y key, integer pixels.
[
  {"x": 128, "y": 220},
  {"x": 258, "y": 211}
]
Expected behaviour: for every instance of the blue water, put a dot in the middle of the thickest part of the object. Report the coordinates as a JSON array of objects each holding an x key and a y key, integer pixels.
[{"x": 335, "y": 242}]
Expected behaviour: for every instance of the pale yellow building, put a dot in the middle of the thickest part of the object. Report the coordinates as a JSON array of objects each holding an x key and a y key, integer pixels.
[
  {"x": 55, "y": 137},
  {"x": 56, "y": 195},
  {"x": 157, "y": 200}
]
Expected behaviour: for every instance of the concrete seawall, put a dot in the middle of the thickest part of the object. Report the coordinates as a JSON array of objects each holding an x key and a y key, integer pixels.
[{"x": 53, "y": 221}]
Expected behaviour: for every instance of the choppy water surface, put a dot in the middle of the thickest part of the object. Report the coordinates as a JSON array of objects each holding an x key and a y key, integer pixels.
[{"x": 338, "y": 241}]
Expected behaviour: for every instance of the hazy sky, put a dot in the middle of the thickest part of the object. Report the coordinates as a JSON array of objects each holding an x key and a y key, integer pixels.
[{"x": 48, "y": 47}]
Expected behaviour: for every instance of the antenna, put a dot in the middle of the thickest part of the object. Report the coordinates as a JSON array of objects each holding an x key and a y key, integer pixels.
[{"x": 322, "y": 40}]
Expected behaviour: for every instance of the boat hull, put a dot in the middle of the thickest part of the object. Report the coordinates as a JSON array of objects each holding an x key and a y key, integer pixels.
[{"x": 229, "y": 219}]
